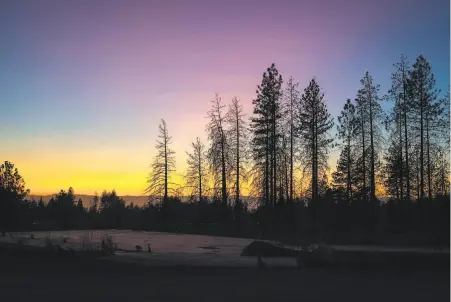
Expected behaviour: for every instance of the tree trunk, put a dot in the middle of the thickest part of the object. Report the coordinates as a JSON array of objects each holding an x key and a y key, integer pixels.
[
  {"x": 314, "y": 166},
  {"x": 287, "y": 180},
  {"x": 274, "y": 147},
  {"x": 316, "y": 157},
  {"x": 428, "y": 160},
  {"x": 223, "y": 172},
  {"x": 397, "y": 188},
  {"x": 271, "y": 169},
  {"x": 165, "y": 168},
  {"x": 372, "y": 176},
  {"x": 421, "y": 149},
  {"x": 401, "y": 174},
  {"x": 237, "y": 197},
  {"x": 363, "y": 154},
  {"x": 267, "y": 193},
  {"x": 405, "y": 139},
  {"x": 348, "y": 187},
  {"x": 200, "y": 175},
  {"x": 291, "y": 152}
]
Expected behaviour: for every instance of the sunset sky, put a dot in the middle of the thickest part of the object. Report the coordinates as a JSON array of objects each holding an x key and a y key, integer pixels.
[{"x": 84, "y": 84}]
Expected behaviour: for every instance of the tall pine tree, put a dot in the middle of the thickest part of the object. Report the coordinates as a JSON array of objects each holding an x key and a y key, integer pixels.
[
  {"x": 398, "y": 93},
  {"x": 346, "y": 130},
  {"x": 264, "y": 125},
  {"x": 423, "y": 94},
  {"x": 371, "y": 117},
  {"x": 314, "y": 123}
]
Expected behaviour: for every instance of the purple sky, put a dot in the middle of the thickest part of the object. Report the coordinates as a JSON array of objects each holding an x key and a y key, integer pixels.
[{"x": 84, "y": 84}]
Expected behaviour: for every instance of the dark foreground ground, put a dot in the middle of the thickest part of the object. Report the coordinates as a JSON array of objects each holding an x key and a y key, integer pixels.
[{"x": 38, "y": 278}]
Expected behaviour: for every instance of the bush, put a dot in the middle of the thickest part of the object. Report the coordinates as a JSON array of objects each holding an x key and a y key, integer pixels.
[{"x": 108, "y": 246}]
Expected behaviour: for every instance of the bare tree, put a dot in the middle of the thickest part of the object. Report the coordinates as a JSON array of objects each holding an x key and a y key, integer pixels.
[
  {"x": 291, "y": 101},
  {"x": 197, "y": 171},
  {"x": 218, "y": 153},
  {"x": 163, "y": 165},
  {"x": 237, "y": 134}
]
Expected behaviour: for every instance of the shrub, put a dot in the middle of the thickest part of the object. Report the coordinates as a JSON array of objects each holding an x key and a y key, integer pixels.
[{"x": 108, "y": 246}]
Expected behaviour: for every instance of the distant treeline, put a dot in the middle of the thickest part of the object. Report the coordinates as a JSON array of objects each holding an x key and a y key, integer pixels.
[{"x": 394, "y": 222}]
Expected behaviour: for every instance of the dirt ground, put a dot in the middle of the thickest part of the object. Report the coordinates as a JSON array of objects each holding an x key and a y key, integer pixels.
[{"x": 37, "y": 279}]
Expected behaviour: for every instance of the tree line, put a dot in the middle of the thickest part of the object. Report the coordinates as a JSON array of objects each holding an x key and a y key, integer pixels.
[
  {"x": 280, "y": 155},
  {"x": 282, "y": 150}
]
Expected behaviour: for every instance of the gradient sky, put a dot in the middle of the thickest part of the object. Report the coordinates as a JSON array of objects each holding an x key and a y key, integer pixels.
[{"x": 84, "y": 84}]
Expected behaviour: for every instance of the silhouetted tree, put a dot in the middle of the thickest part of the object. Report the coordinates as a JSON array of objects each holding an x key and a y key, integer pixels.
[
  {"x": 446, "y": 117},
  {"x": 197, "y": 171},
  {"x": 442, "y": 147},
  {"x": 291, "y": 101},
  {"x": 237, "y": 136},
  {"x": 391, "y": 170},
  {"x": 442, "y": 172},
  {"x": 164, "y": 164},
  {"x": 314, "y": 125},
  {"x": 94, "y": 204},
  {"x": 399, "y": 94},
  {"x": 346, "y": 131},
  {"x": 11, "y": 181},
  {"x": 264, "y": 125},
  {"x": 112, "y": 207},
  {"x": 218, "y": 153},
  {"x": 283, "y": 156},
  {"x": 62, "y": 208},
  {"x": 371, "y": 117},
  {"x": 80, "y": 204},
  {"x": 12, "y": 195},
  {"x": 423, "y": 94},
  {"x": 40, "y": 209}
]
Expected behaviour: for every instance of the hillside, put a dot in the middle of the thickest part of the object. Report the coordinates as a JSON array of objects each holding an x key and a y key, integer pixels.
[{"x": 137, "y": 200}]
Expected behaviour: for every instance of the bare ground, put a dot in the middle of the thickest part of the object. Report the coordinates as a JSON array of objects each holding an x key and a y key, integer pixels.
[{"x": 34, "y": 278}]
